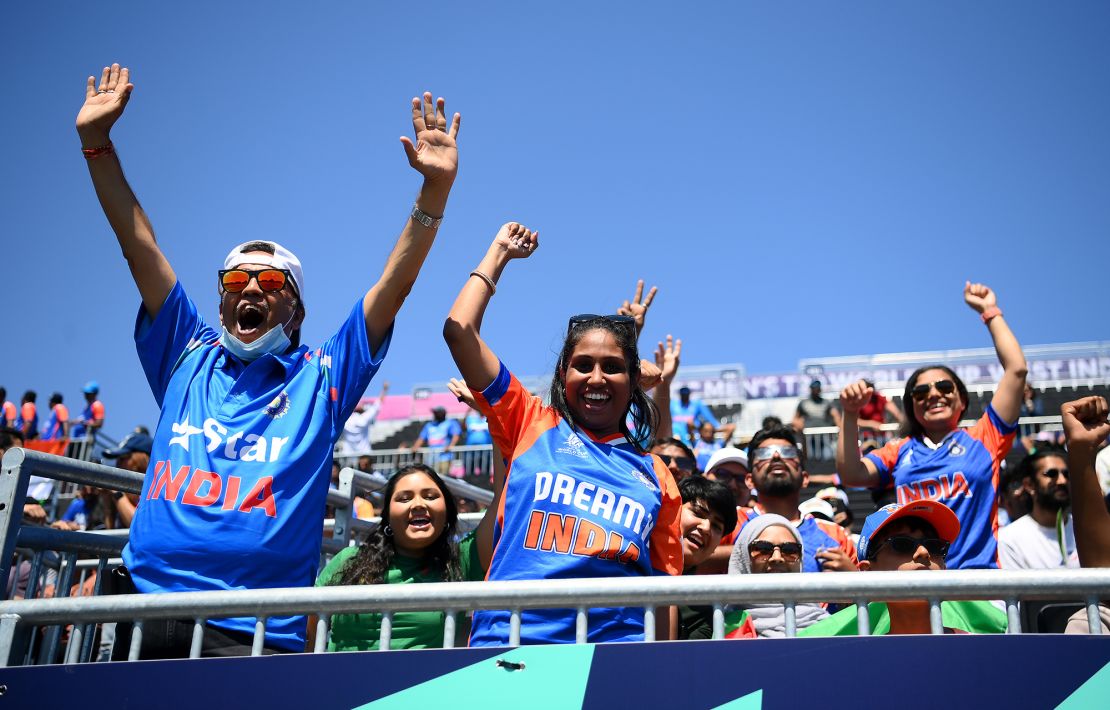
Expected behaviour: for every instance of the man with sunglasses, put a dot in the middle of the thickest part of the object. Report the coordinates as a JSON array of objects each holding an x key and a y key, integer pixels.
[
  {"x": 778, "y": 474},
  {"x": 1043, "y": 539},
  {"x": 239, "y": 473},
  {"x": 911, "y": 537}
]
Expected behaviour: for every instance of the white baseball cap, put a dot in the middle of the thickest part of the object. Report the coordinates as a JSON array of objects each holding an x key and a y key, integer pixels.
[
  {"x": 282, "y": 258},
  {"x": 728, "y": 454}
]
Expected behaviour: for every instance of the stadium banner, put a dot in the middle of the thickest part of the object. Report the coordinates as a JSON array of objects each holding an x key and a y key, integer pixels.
[{"x": 885, "y": 671}]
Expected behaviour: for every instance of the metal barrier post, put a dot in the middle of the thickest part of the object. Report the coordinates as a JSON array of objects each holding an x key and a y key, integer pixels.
[
  {"x": 8, "y": 623},
  {"x": 342, "y": 530},
  {"x": 13, "y": 492}
]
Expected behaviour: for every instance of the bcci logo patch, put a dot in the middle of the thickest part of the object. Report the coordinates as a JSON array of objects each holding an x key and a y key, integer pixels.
[
  {"x": 643, "y": 478},
  {"x": 279, "y": 407},
  {"x": 574, "y": 447},
  {"x": 956, "y": 450}
]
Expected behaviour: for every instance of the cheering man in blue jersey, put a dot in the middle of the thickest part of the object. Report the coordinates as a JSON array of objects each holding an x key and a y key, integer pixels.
[{"x": 234, "y": 496}]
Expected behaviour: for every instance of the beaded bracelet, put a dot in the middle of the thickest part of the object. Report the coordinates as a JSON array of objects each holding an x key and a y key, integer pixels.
[{"x": 99, "y": 151}]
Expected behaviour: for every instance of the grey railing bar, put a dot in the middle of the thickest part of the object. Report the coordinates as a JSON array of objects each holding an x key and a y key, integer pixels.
[
  {"x": 60, "y": 468},
  {"x": 563, "y": 593},
  {"x": 259, "y": 636},
  {"x": 718, "y": 621},
  {"x": 40, "y": 538},
  {"x": 197, "y": 642},
  {"x": 1094, "y": 621},
  {"x": 936, "y": 617},
  {"x": 449, "y": 628},
  {"x": 1013, "y": 617},
  {"x": 385, "y": 637}
]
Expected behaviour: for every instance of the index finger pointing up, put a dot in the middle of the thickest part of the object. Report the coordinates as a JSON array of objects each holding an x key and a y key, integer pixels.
[
  {"x": 650, "y": 296},
  {"x": 639, "y": 291}
]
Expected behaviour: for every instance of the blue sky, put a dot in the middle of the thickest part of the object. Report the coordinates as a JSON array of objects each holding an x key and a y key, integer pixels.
[{"x": 799, "y": 179}]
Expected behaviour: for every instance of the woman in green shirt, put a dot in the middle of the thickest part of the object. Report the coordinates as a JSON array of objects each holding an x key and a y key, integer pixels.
[{"x": 412, "y": 545}]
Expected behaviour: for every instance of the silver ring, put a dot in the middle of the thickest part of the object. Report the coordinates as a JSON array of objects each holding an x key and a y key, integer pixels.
[
  {"x": 101, "y": 91},
  {"x": 110, "y": 91}
]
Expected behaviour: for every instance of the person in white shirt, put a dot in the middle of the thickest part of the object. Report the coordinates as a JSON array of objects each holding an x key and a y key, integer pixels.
[
  {"x": 356, "y": 431},
  {"x": 1044, "y": 538}
]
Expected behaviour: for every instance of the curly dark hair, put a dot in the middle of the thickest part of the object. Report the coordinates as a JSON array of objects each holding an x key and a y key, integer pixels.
[
  {"x": 645, "y": 415},
  {"x": 375, "y": 556}
]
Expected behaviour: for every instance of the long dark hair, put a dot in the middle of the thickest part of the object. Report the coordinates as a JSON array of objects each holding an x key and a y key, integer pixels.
[
  {"x": 911, "y": 427},
  {"x": 375, "y": 556},
  {"x": 645, "y": 415}
]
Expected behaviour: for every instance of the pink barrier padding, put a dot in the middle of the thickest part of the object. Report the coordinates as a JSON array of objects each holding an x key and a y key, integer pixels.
[{"x": 404, "y": 406}]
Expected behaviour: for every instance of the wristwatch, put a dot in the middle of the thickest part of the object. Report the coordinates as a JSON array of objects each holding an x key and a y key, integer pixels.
[{"x": 425, "y": 219}]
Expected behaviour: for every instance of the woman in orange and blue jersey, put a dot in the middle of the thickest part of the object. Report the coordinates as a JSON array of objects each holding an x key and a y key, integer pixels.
[
  {"x": 935, "y": 459},
  {"x": 581, "y": 497}
]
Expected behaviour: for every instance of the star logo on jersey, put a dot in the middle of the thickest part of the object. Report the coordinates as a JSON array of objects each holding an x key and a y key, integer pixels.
[
  {"x": 184, "y": 430},
  {"x": 574, "y": 447},
  {"x": 956, "y": 449},
  {"x": 279, "y": 407},
  {"x": 906, "y": 458}
]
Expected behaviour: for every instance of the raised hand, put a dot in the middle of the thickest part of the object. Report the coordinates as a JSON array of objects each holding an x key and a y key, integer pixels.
[
  {"x": 462, "y": 392},
  {"x": 104, "y": 103},
  {"x": 1085, "y": 424},
  {"x": 435, "y": 155},
  {"x": 516, "y": 240},
  {"x": 979, "y": 296},
  {"x": 650, "y": 375},
  {"x": 855, "y": 395},
  {"x": 667, "y": 358},
  {"x": 636, "y": 308}
]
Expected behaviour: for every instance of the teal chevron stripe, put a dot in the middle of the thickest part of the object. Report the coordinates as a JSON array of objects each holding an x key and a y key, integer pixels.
[
  {"x": 552, "y": 676},
  {"x": 1095, "y": 693},
  {"x": 751, "y": 701}
]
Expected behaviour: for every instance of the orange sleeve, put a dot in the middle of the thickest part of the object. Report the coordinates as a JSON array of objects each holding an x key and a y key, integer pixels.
[
  {"x": 510, "y": 409},
  {"x": 62, "y": 412},
  {"x": 9, "y": 411},
  {"x": 98, "y": 410},
  {"x": 996, "y": 435},
  {"x": 28, "y": 411},
  {"x": 666, "y": 545}
]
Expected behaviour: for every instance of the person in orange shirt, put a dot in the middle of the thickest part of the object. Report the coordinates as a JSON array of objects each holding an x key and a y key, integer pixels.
[
  {"x": 28, "y": 420},
  {"x": 57, "y": 426},
  {"x": 8, "y": 413}
]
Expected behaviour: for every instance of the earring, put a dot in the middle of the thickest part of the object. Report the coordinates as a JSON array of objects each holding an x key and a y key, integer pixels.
[{"x": 387, "y": 531}]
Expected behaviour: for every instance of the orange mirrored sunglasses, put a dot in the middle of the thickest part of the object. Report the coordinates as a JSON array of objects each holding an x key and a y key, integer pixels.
[{"x": 235, "y": 280}]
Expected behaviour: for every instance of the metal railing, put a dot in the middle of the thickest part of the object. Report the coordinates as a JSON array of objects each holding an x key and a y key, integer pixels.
[
  {"x": 575, "y": 595},
  {"x": 472, "y": 463},
  {"x": 821, "y": 441}
]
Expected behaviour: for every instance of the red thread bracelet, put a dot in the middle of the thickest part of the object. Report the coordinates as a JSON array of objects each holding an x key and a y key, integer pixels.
[{"x": 99, "y": 151}]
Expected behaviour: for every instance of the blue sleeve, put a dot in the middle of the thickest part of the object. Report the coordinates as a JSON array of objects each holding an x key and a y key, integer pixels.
[
  {"x": 164, "y": 341},
  {"x": 424, "y": 432},
  {"x": 707, "y": 415},
  {"x": 350, "y": 366},
  {"x": 454, "y": 429},
  {"x": 1000, "y": 425},
  {"x": 500, "y": 385},
  {"x": 76, "y": 507}
]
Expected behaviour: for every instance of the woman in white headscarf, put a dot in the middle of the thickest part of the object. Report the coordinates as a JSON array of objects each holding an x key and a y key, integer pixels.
[{"x": 769, "y": 544}]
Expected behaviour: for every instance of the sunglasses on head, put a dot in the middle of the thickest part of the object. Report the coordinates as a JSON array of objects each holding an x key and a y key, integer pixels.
[
  {"x": 235, "y": 280},
  {"x": 622, "y": 321},
  {"x": 906, "y": 545},
  {"x": 920, "y": 392},
  {"x": 765, "y": 548},
  {"x": 766, "y": 453},
  {"x": 683, "y": 462}
]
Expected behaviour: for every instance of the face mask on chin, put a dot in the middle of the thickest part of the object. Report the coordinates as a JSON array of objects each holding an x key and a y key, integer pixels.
[{"x": 273, "y": 341}]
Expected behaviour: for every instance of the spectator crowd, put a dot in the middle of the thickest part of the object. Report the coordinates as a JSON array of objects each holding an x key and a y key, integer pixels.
[{"x": 604, "y": 476}]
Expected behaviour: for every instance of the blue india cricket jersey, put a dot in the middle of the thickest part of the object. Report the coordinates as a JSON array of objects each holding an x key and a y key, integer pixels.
[{"x": 235, "y": 493}]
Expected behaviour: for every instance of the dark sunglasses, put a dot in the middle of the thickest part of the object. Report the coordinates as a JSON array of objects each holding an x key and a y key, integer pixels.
[
  {"x": 1054, "y": 473},
  {"x": 766, "y": 453},
  {"x": 764, "y": 548},
  {"x": 906, "y": 545},
  {"x": 622, "y": 321},
  {"x": 235, "y": 280},
  {"x": 920, "y": 392},
  {"x": 683, "y": 462}
]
